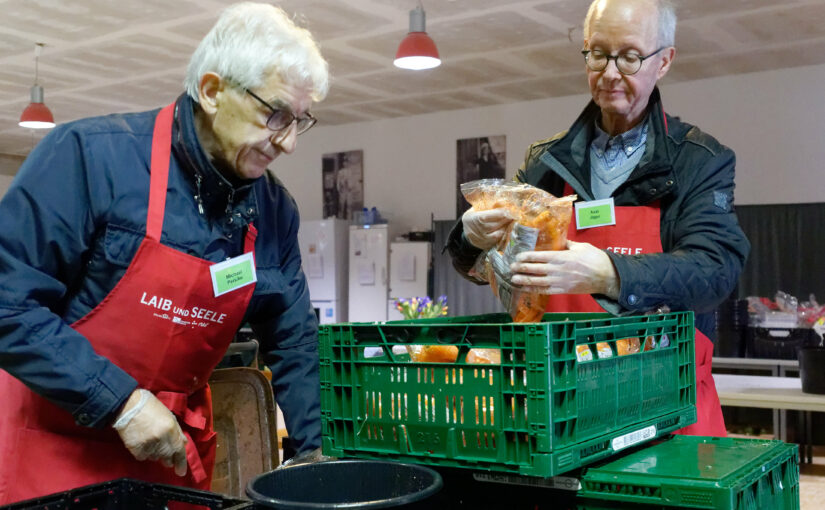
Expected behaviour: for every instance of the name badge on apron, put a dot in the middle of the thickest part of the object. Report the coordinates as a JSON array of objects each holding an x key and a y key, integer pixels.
[
  {"x": 596, "y": 213},
  {"x": 233, "y": 274}
]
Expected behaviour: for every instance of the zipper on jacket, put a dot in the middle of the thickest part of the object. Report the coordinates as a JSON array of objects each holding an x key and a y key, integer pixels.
[
  {"x": 198, "y": 196},
  {"x": 229, "y": 200}
]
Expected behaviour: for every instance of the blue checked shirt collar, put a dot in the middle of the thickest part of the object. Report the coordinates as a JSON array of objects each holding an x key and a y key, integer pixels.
[{"x": 615, "y": 150}]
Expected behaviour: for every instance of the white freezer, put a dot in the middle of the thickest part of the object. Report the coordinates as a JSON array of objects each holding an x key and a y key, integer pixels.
[
  {"x": 323, "y": 245},
  {"x": 368, "y": 273}
]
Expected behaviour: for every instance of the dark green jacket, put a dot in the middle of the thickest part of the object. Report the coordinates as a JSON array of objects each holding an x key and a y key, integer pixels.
[{"x": 692, "y": 175}]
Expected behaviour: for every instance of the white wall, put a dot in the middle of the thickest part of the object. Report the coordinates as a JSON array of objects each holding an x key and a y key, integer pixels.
[{"x": 774, "y": 121}]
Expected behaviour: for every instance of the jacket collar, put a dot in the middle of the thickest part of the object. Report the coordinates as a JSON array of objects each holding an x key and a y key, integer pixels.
[
  {"x": 571, "y": 153},
  {"x": 214, "y": 192}
]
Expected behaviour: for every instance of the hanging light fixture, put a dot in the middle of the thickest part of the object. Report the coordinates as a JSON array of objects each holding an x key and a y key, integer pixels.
[
  {"x": 37, "y": 115},
  {"x": 417, "y": 51}
]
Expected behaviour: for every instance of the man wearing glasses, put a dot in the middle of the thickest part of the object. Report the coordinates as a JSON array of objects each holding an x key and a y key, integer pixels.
[
  {"x": 133, "y": 247},
  {"x": 669, "y": 237}
]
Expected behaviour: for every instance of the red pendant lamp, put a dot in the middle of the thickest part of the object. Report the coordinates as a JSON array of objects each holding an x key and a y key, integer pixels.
[
  {"x": 417, "y": 51},
  {"x": 37, "y": 115}
]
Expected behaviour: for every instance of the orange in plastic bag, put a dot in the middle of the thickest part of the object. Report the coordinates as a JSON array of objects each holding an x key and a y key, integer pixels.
[
  {"x": 627, "y": 346},
  {"x": 433, "y": 353}
]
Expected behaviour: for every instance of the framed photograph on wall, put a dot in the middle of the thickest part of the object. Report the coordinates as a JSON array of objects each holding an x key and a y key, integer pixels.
[
  {"x": 478, "y": 158},
  {"x": 343, "y": 179}
]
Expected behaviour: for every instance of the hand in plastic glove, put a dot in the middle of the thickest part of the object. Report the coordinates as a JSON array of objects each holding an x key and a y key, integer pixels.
[
  {"x": 309, "y": 457},
  {"x": 580, "y": 269},
  {"x": 484, "y": 229},
  {"x": 150, "y": 431}
]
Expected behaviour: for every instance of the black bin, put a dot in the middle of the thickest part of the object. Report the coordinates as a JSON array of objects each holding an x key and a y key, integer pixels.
[
  {"x": 345, "y": 484},
  {"x": 778, "y": 343},
  {"x": 812, "y": 369},
  {"x": 731, "y": 323}
]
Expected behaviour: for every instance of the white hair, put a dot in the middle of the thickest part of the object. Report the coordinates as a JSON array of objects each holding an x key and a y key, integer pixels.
[
  {"x": 249, "y": 41},
  {"x": 667, "y": 21}
]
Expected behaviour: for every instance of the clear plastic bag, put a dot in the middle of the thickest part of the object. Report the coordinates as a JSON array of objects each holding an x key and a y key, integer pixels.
[
  {"x": 541, "y": 224},
  {"x": 449, "y": 353}
]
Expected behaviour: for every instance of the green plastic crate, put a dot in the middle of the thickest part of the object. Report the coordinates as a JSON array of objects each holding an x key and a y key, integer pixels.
[
  {"x": 698, "y": 472},
  {"x": 540, "y": 412}
]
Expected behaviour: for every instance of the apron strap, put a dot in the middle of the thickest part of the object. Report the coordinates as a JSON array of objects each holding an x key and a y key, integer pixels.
[
  {"x": 249, "y": 240},
  {"x": 159, "y": 171},
  {"x": 178, "y": 403}
]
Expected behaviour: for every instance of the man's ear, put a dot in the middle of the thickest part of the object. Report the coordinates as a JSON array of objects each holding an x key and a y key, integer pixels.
[
  {"x": 209, "y": 89},
  {"x": 669, "y": 54}
]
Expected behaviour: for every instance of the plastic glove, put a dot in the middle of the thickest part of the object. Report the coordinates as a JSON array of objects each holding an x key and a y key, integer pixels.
[
  {"x": 309, "y": 457},
  {"x": 580, "y": 269},
  {"x": 484, "y": 229},
  {"x": 150, "y": 431}
]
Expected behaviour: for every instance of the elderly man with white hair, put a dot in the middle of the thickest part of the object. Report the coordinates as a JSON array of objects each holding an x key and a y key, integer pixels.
[
  {"x": 671, "y": 238},
  {"x": 132, "y": 249}
]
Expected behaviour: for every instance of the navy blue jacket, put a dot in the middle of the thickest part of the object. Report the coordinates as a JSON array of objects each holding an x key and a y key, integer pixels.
[
  {"x": 691, "y": 175},
  {"x": 71, "y": 223}
]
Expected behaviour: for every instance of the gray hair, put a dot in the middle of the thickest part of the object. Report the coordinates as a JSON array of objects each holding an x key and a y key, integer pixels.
[
  {"x": 248, "y": 41},
  {"x": 667, "y": 21}
]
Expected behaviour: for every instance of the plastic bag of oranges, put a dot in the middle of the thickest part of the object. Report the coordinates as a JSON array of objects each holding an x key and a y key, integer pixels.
[{"x": 541, "y": 224}]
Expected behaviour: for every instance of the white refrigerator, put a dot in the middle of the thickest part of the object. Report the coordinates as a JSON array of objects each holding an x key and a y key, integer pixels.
[
  {"x": 409, "y": 269},
  {"x": 323, "y": 245},
  {"x": 368, "y": 273}
]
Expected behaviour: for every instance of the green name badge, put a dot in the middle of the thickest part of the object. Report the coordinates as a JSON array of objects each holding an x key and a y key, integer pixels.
[
  {"x": 596, "y": 213},
  {"x": 233, "y": 274}
]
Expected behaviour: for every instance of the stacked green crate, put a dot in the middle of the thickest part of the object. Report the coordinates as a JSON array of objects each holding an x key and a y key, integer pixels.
[
  {"x": 697, "y": 472},
  {"x": 541, "y": 411}
]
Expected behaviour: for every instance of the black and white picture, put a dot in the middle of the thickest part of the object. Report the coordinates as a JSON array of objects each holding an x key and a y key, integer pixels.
[
  {"x": 343, "y": 178},
  {"x": 478, "y": 158}
]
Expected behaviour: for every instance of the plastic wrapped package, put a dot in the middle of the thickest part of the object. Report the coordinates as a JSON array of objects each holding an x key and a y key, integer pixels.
[
  {"x": 541, "y": 223},
  {"x": 449, "y": 353}
]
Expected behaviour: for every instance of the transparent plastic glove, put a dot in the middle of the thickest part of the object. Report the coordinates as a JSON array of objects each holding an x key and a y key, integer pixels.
[
  {"x": 309, "y": 457},
  {"x": 150, "y": 431},
  {"x": 484, "y": 229},
  {"x": 580, "y": 269}
]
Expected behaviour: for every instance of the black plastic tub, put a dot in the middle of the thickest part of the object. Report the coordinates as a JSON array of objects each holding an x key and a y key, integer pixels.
[
  {"x": 346, "y": 484},
  {"x": 812, "y": 369}
]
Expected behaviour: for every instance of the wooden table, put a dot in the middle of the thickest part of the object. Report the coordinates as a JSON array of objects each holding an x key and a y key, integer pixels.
[{"x": 771, "y": 393}]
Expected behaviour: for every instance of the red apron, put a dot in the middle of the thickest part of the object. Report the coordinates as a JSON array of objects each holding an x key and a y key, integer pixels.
[
  {"x": 163, "y": 325},
  {"x": 637, "y": 230}
]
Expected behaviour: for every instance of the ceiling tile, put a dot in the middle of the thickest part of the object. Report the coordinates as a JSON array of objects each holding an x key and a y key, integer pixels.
[
  {"x": 557, "y": 58},
  {"x": 777, "y": 25},
  {"x": 571, "y": 12},
  {"x": 441, "y": 8},
  {"x": 87, "y": 19},
  {"x": 341, "y": 94},
  {"x": 342, "y": 63},
  {"x": 713, "y": 9},
  {"x": 541, "y": 87},
  {"x": 473, "y": 35},
  {"x": 692, "y": 41},
  {"x": 329, "y": 20}
]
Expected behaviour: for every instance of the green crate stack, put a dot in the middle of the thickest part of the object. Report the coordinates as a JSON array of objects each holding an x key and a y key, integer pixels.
[
  {"x": 697, "y": 472},
  {"x": 540, "y": 412}
]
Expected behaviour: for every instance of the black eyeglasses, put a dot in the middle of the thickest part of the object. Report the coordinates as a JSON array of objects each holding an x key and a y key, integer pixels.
[
  {"x": 627, "y": 63},
  {"x": 282, "y": 118}
]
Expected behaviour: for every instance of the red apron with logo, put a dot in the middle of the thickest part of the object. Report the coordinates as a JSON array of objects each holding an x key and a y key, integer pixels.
[
  {"x": 164, "y": 326},
  {"x": 637, "y": 231}
]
